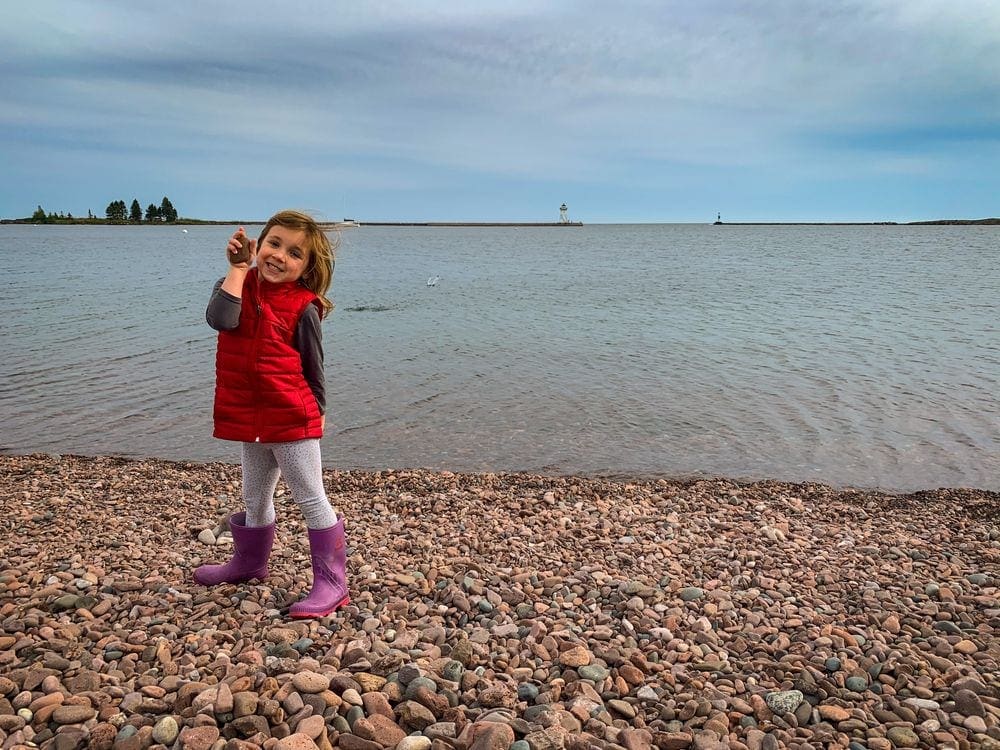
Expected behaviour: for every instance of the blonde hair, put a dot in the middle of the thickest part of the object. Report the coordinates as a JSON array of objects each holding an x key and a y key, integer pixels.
[{"x": 319, "y": 268}]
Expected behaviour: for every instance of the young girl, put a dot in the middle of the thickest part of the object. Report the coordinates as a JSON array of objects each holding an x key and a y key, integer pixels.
[{"x": 270, "y": 395}]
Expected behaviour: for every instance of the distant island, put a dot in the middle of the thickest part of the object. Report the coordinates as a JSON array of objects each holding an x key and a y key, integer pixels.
[
  {"x": 935, "y": 222},
  {"x": 347, "y": 223},
  {"x": 118, "y": 212},
  {"x": 959, "y": 221}
]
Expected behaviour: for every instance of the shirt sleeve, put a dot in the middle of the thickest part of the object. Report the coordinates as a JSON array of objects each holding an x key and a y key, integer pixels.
[
  {"x": 308, "y": 340},
  {"x": 223, "y": 312}
]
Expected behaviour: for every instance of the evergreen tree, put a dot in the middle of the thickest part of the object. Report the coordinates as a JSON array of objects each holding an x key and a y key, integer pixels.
[
  {"x": 39, "y": 216},
  {"x": 167, "y": 212},
  {"x": 152, "y": 213},
  {"x": 116, "y": 212},
  {"x": 135, "y": 212}
]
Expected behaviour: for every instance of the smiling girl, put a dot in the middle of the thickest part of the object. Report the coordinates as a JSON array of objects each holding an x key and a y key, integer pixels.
[{"x": 270, "y": 395}]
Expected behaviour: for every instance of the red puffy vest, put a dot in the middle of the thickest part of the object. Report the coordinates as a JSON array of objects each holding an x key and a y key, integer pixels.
[{"x": 261, "y": 394}]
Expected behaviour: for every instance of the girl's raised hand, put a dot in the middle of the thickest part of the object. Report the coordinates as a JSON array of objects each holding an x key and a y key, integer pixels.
[{"x": 241, "y": 250}]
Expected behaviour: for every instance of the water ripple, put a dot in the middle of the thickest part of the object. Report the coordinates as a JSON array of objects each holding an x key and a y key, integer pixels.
[{"x": 861, "y": 356}]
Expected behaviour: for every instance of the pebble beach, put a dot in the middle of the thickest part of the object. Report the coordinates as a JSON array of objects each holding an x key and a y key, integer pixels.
[{"x": 496, "y": 612}]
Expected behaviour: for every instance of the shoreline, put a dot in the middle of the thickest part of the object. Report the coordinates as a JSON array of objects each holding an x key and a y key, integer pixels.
[
  {"x": 495, "y": 609},
  {"x": 607, "y": 475},
  {"x": 938, "y": 222},
  {"x": 347, "y": 224}
]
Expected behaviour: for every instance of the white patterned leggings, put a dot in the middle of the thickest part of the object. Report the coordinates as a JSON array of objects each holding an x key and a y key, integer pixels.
[{"x": 300, "y": 464}]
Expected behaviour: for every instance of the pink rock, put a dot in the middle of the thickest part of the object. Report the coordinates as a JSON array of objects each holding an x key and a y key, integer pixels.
[
  {"x": 497, "y": 696},
  {"x": 414, "y": 715},
  {"x": 312, "y": 726},
  {"x": 833, "y": 713},
  {"x": 199, "y": 738},
  {"x": 73, "y": 714},
  {"x": 353, "y": 742},
  {"x": 490, "y": 735},
  {"x": 310, "y": 682},
  {"x": 380, "y": 729},
  {"x": 297, "y": 741},
  {"x": 635, "y": 739},
  {"x": 676, "y": 740},
  {"x": 224, "y": 699},
  {"x": 578, "y": 656},
  {"x": 377, "y": 703}
]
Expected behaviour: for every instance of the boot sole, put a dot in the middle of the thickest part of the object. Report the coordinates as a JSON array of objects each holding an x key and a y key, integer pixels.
[
  {"x": 313, "y": 615},
  {"x": 237, "y": 580}
]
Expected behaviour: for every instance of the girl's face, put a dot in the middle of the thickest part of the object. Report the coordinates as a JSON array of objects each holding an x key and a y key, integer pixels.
[{"x": 281, "y": 257}]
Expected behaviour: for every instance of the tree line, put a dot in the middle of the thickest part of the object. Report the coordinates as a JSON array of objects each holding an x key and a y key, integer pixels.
[{"x": 116, "y": 213}]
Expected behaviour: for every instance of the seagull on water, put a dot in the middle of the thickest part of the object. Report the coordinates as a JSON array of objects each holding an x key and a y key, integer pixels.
[{"x": 433, "y": 280}]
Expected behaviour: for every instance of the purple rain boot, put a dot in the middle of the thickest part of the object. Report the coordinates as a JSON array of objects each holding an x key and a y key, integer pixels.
[
  {"x": 252, "y": 548},
  {"x": 329, "y": 565}
]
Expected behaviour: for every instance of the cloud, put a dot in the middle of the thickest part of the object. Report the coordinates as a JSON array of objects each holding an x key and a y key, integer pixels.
[{"x": 388, "y": 94}]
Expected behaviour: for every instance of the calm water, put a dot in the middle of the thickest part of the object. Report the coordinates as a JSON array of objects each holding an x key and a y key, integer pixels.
[{"x": 863, "y": 356}]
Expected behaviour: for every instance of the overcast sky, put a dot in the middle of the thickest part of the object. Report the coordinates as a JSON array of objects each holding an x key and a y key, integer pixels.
[{"x": 668, "y": 110}]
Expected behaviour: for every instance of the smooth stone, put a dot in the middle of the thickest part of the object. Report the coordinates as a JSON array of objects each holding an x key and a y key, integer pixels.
[
  {"x": 302, "y": 645},
  {"x": 922, "y": 703},
  {"x": 166, "y": 730},
  {"x": 72, "y": 714},
  {"x": 205, "y": 536},
  {"x": 593, "y": 672},
  {"x": 353, "y": 714},
  {"x": 68, "y": 601},
  {"x": 341, "y": 724},
  {"x": 625, "y": 709},
  {"x": 856, "y": 684},
  {"x": 531, "y": 713},
  {"x": 975, "y": 724},
  {"x": 968, "y": 703},
  {"x": 310, "y": 682},
  {"x": 646, "y": 693},
  {"x": 947, "y": 626},
  {"x": 903, "y": 737},
  {"x": 691, "y": 593},
  {"x": 125, "y": 732},
  {"x": 527, "y": 692},
  {"x": 419, "y": 682}
]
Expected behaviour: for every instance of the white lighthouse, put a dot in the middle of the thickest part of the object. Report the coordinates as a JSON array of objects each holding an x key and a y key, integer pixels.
[{"x": 563, "y": 214}]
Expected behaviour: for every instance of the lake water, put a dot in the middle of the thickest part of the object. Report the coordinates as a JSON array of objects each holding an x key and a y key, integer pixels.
[{"x": 855, "y": 355}]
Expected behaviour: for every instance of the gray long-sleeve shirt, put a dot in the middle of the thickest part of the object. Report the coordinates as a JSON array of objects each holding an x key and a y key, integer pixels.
[{"x": 223, "y": 314}]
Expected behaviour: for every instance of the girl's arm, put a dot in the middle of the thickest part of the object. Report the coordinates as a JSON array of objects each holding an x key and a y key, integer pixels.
[
  {"x": 233, "y": 283},
  {"x": 223, "y": 312},
  {"x": 309, "y": 341}
]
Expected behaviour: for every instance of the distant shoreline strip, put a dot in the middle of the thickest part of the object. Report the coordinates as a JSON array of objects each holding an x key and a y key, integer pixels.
[
  {"x": 465, "y": 224},
  {"x": 937, "y": 222},
  {"x": 344, "y": 225}
]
